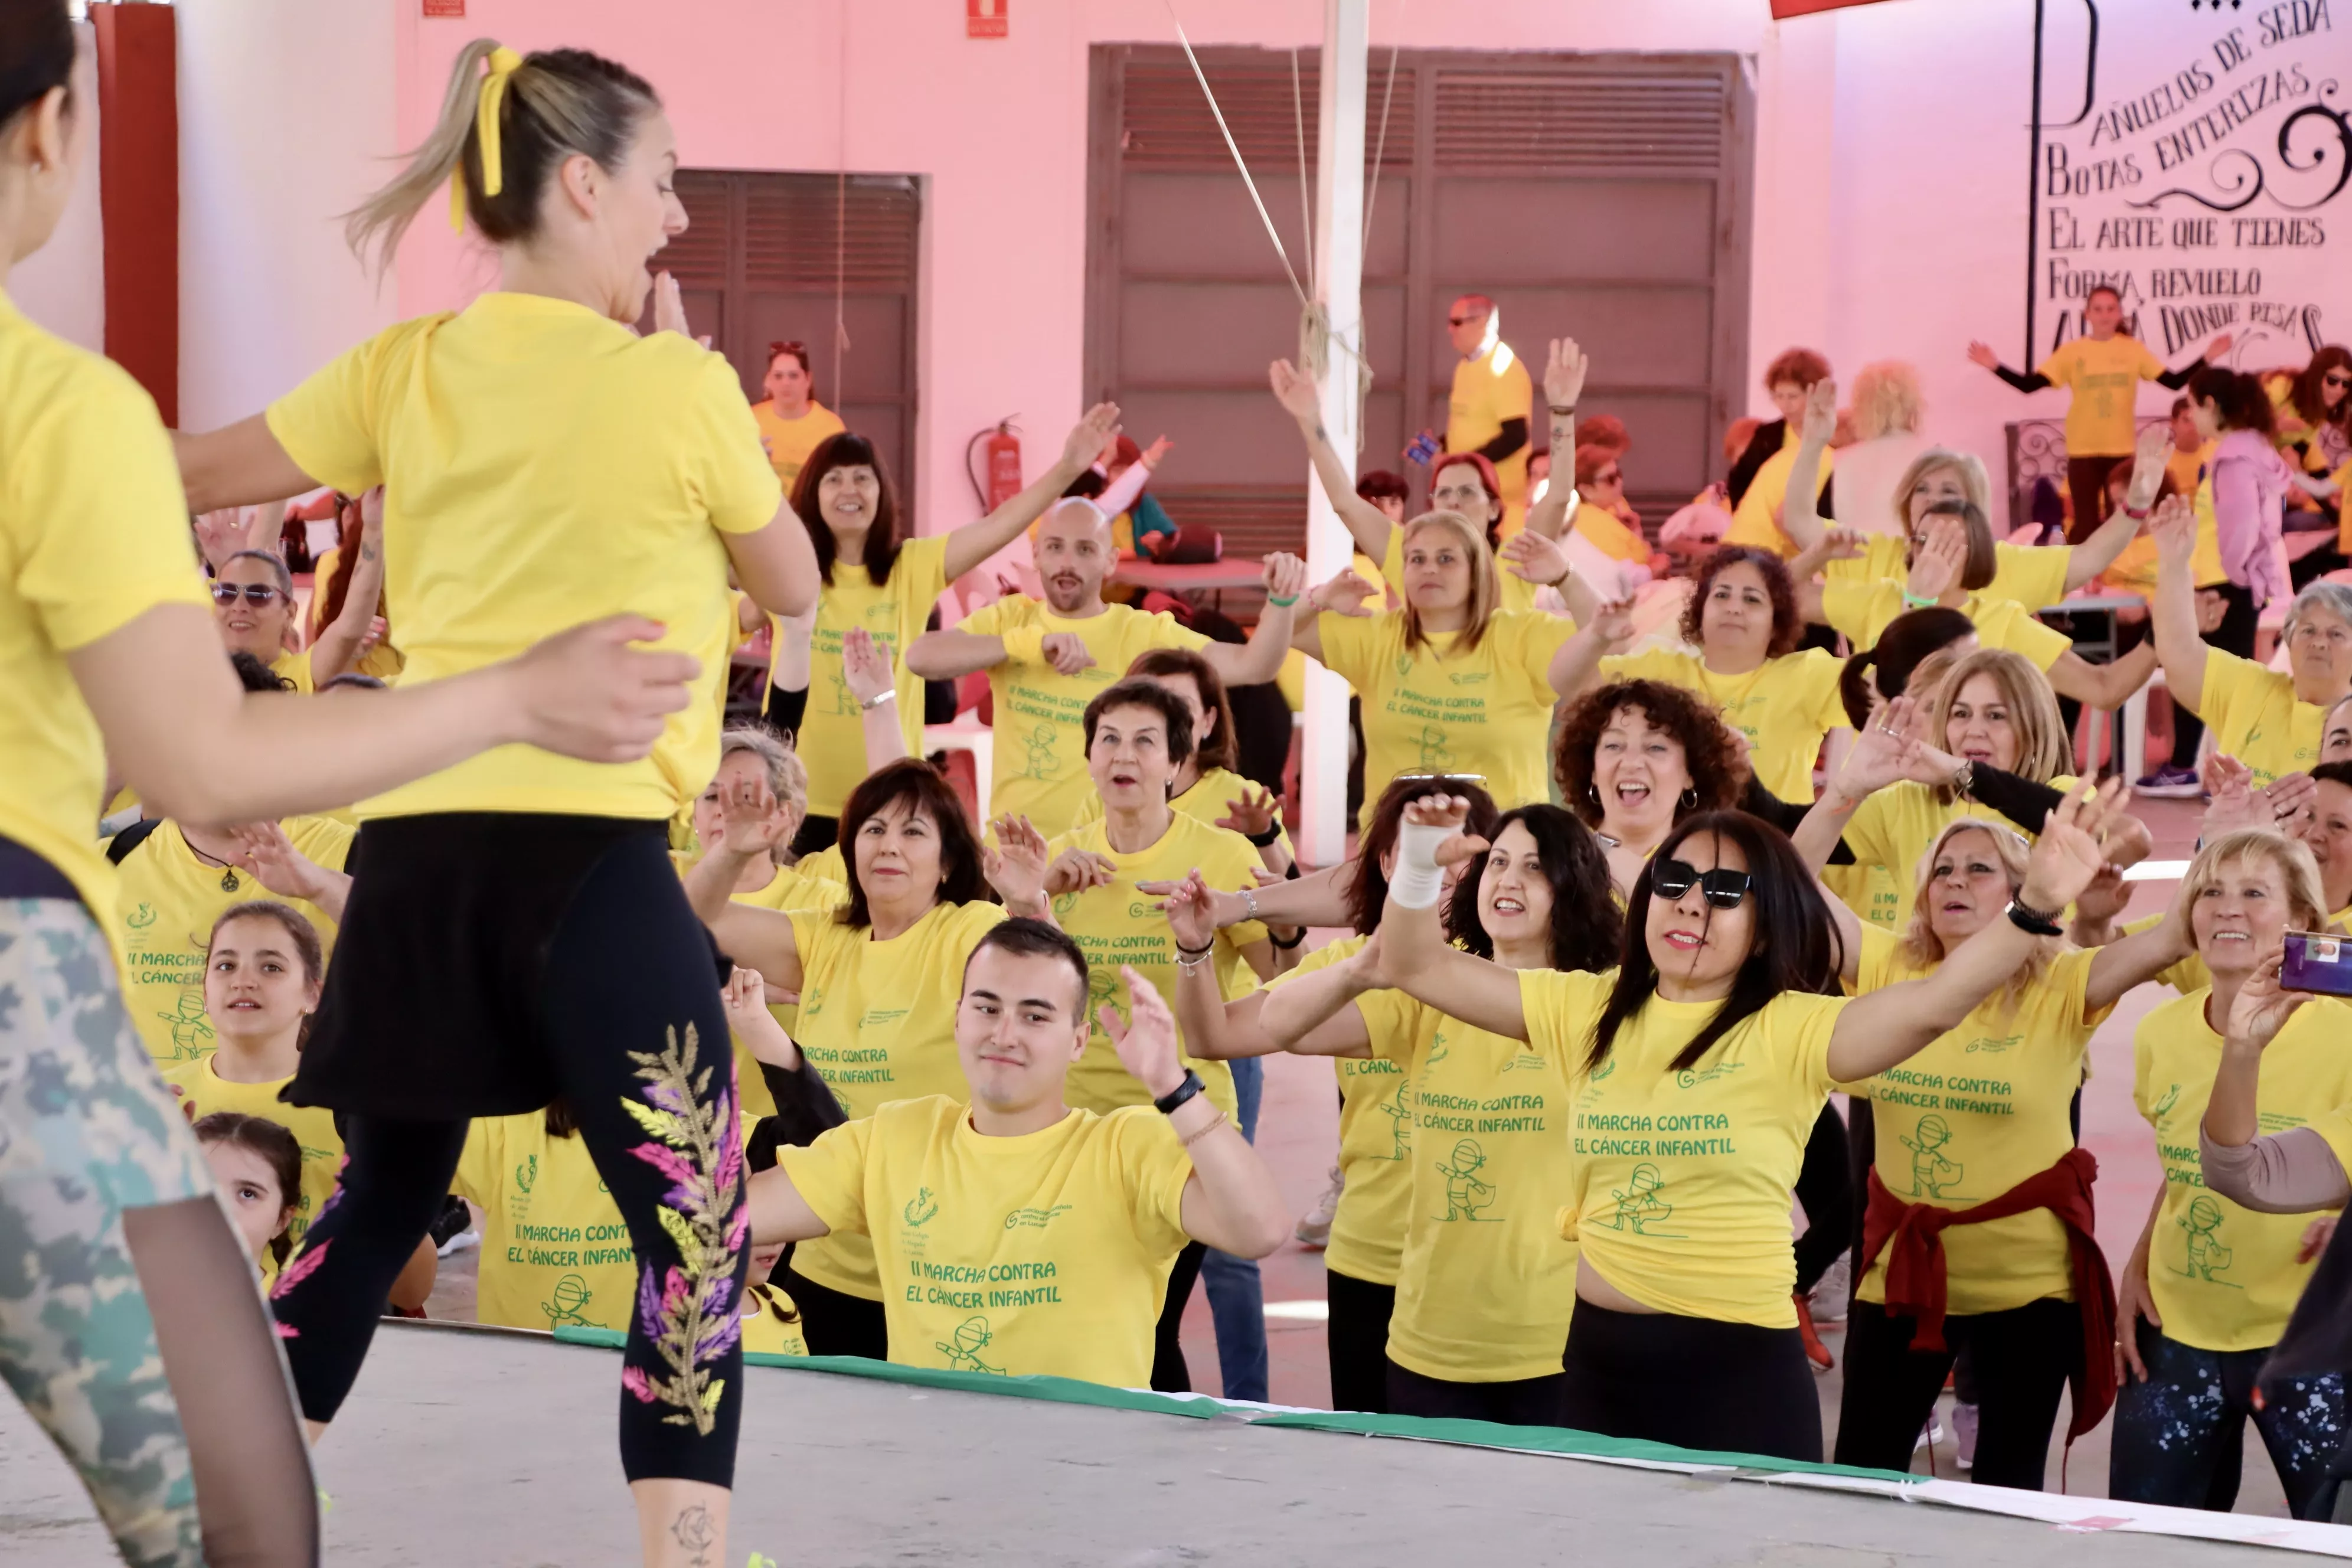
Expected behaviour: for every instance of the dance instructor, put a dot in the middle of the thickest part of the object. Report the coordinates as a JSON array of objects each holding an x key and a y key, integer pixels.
[
  {"x": 516, "y": 931},
  {"x": 108, "y": 639}
]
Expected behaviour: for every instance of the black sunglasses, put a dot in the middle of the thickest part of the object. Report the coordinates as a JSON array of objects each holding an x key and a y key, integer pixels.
[
  {"x": 255, "y": 593},
  {"x": 1460, "y": 321},
  {"x": 1724, "y": 890},
  {"x": 2337, "y": 378}
]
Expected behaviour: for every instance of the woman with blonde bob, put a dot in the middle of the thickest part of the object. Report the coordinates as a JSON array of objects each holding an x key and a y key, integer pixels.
[
  {"x": 2207, "y": 1290},
  {"x": 1886, "y": 411},
  {"x": 1451, "y": 683},
  {"x": 1976, "y": 1159}
]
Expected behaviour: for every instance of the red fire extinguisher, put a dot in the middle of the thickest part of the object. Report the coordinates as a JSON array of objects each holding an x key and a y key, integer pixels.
[{"x": 998, "y": 478}]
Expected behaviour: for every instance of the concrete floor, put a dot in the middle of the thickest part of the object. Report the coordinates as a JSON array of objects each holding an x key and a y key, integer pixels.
[{"x": 479, "y": 1449}]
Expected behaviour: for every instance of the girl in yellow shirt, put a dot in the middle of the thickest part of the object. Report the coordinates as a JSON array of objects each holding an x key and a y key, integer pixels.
[
  {"x": 1637, "y": 757},
  {"x": 540, "y": 459},
  {"x": 1376, "y": 1103},
  {"x": 112, "y": 657},
  {"x": 1697, "y": 1069},
  {"x": 875, "y": 976},
  {"x": 259, "y": 1167},
  {"x": 2209, "y": 1284}
]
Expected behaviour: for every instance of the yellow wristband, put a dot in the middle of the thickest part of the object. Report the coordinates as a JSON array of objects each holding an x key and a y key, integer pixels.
[{"x": 1023, "y": 644}]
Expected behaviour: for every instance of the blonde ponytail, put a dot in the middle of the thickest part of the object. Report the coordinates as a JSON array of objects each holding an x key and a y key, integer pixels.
[{"x": 557, "y": 102}]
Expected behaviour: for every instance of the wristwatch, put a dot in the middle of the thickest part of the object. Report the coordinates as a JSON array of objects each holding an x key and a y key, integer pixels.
[{"x": 1167, "y": 1104}]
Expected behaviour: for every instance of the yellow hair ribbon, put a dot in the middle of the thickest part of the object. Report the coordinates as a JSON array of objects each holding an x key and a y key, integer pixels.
[{"x": 503, "y": 63}]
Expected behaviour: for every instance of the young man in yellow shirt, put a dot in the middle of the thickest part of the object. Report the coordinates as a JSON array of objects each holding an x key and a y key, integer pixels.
[
  {"x": 791, "y": 421},
  {"x": 1046, "y": 661},
  {"x": 2103, "y": 370},
  {"x": 1016, "y": 1234}
]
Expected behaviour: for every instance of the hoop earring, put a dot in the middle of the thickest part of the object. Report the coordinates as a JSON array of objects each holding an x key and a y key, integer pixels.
[
  {"x": 1690, "y": 797},
  {"x": 1594, "y": 790}
]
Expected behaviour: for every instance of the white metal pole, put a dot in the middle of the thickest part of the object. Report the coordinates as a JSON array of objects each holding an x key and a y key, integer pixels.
[{"x": 1339, "y": 284}]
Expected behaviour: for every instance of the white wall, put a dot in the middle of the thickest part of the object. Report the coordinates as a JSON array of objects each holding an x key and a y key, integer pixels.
[
  {"x": 62, "y": 285},
  {"x": 285, "y": 111}
]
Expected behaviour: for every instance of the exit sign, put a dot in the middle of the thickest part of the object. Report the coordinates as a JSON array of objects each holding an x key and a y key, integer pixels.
[
  {"x": 986, "y": 19},
  {"x": 456, "y": 8}
]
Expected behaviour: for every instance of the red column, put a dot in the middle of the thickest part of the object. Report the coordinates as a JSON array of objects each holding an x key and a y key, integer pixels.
[{"x": 139, "y": 192}]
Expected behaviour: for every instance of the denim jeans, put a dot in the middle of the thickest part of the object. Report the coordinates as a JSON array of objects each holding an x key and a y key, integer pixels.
[{"x": 1236, "y": 1300}]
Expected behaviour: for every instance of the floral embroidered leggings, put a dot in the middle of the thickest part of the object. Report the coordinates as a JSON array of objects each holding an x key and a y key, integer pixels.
[{"x": 630, "y": 1011}]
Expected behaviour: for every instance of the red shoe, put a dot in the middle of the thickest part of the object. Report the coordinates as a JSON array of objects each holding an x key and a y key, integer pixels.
[{"x": 1815, "y": 1352}]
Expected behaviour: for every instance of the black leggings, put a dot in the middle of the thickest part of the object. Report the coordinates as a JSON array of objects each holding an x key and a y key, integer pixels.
[
  {"x": 628, "y": 1010},
  {"x": 835, "y": 1323},
  {"x": 1825, "y": 1187},
  {"x": 1356, "y": 1339},
  {"x": 1526, "y": 1402},
  {"x": 1695, "y": 1382},
  {"x": 2021, "y": 1359},
  {"x": 1169, "y": 1373}
]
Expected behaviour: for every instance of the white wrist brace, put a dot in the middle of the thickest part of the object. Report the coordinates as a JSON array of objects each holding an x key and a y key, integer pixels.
[{"x": 1417, "y": 883}]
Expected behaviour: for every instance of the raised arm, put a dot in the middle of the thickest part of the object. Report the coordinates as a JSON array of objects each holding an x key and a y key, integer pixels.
[
  {"x": 975, "y": 541},
  {"x": 2138, "y": 958},
  {"x": 286, "y": 871},
  {"x": 1565, "y": 367},
  {"x": 2257, "y": 1013},
  {"x": 1413, "y": 956},
  {"x": 1889, "y": 1025},
  {"x": 756, "y": 937},
  {"x": 2098, "y": 552},
  {"x": 337, "y": 646},
  {"x": 1577, "y": 661},
  {"x": 866, "y": 671},
  {"x": 2173, "y": 613},
  {"x": 2033, "y": 381},
  {"x": 1259, "y": 660},
  {"x": 1801, "y": 510},
  {"x": 1231, "y": 1201},
  {"x": 2102, "y": 686},
  {"x": 1367, "y": 524}
]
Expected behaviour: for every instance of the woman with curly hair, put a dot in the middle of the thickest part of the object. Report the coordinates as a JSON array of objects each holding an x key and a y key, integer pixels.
[
  {"x": 1634, "y": 758},
  {"x": 1742, "y": 620}
]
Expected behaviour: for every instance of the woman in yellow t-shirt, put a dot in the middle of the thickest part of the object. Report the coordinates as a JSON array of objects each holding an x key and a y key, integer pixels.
[
  {"x": 876, "y": 580},
  {"x": 1484, "y": 1282},
  {"x": 877, "y": 977},
  {"x": 1742, "y": 620},
  {"x": 791, "y": 421},
  {"x": 2268, "y": 720},
  {"x": 112, "y": 657},
  {"x": 253, "y": 604},
  {"x": 1376, "y": 1104},
  {"x": 1698, "y": 1069},
  {"x": 1451, "y": 683},
  {"x": 2209, "y": 1285},
  {"x": 540, "y": 460},
  {"x": 1635, "y": 759},
  {"x": 1973, "y": 1120}
]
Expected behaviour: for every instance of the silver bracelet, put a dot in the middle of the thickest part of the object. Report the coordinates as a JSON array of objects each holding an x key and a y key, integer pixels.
[
  {"x": 1249, "y": 902},
  {"x": 879, "y": 697}
]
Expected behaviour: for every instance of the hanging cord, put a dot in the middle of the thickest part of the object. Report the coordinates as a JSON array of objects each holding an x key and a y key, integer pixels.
[
  {"x": 841, "y": 214},
  {"x": 1299, "y": 122},
  {"x": 1380, "y": 147}
]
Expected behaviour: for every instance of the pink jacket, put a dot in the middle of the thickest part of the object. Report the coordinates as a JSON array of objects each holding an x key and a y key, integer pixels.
[{"x": 2250, "y": 481}]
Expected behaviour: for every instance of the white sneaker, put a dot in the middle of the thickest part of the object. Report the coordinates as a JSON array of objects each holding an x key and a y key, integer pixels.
[
  {"x": 1964, "y": 1431},
  {"x": 1314, "y": 1230},
  {"x": 462, "y": 1241},
  {"x": 1930, "y": 1435},
  {"x": 1830, "y": 1291}
]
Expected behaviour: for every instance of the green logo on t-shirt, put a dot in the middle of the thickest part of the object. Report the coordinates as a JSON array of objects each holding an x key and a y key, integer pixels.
[
  {"x": 1931, "y": 1172},
  {"x": 1638, "y": 1205},
  {"x": 1465, "y": 1194},
  {"x": 920, "y": 1209},
  {"x": 2206, "y": 1256}
]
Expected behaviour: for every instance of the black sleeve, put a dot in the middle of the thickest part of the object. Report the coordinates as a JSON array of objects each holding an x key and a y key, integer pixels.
[
  {"x": 2021, "y": 801},
  {"x": 2174, "y": 380},
  {"x": 1758, "y": 801},
  {"x": 1513, "y": 437},
  {"x": 1825, "y": 506},
  {"x": 2023, "y": 381},
  {"x": 1767, "y": 440},
  {"x": 804, "y": 1108}
]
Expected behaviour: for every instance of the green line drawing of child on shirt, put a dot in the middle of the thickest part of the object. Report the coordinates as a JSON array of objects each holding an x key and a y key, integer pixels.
[
  {"x": 1398, "y": 1109},
  {"x": 971, "y": 1337},
  {"x": 1638, "y": 1205},
  {"x": 564, "y": 1302},
  {"x": 2206, "y": 1255},
  {"x": 1930, "y": 1172},
  {"x": 1435, "y": 754},
  {"x": 1042, "y": 763},
  {"x": 1466, "y": 1194}
]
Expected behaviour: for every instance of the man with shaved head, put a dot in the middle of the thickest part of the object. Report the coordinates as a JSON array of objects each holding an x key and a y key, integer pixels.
[
  {"x": 1493, "y": 396},
  {"x": 1045, "y": 661}
]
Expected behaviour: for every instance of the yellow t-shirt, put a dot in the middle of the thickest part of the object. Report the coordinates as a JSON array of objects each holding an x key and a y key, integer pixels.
[
  {"x": 771, "y": 1324},
  {"x": 1045, "y": 1254},
  {"x": 878, "y": 1022},
  {"x": 1784, "y": 706},
  {"x": 1518, "y": 592},
  {"x": 1609, "y": 533},
  {"x": 1203, "y": 802},
  {"x": 789, "y": 888},
  {"x": 1756, "y": 519},
  {"x": 383, "y": 661},
  {"x": 2104, "y": 378},
  {"x": 169, "y": 901},
  {"x": 1977, "y": 1112},
  {"x": 1115, "y": 925},
  {"x": 296, "y": 668},
  {"x": 2135, "y": 570},
  {"x": 833, "y": 732},
  {"x": 826, "y": 865},
  {"x": 2256, "y": 717},
  {"x": 789, "y": 441},
  {"x": 1680, "y": 1186},
  {"x": 1040, "y": 770},
  {"x": 203, "y": 1091},
  {"x": 554, "y": 1248},
  {"x": 93, "y": 534},
  {"x": 1863, "y": 610},
  {"x": 1444, "y": 709},
  {"x": 545, "y": 467},
  {"x": 1893, "y": 831},
  {"x": 1375, "y": 1138},
  {"x": 1488, "y": 390},
  {"x": 1486, "y": 1283},
  {"x": 2225, "y": 1277},
  {"x": 2032, "y": 574},
  {"x": 2188, "y": 468}
]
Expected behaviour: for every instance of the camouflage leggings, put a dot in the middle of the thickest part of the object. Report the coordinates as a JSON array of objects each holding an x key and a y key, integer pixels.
[{"x": 86, "y": 1133}]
